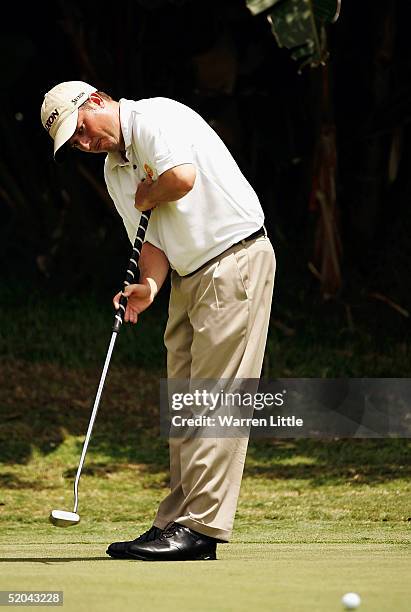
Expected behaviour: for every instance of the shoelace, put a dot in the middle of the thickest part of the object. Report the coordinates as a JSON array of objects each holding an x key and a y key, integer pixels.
[
  {"x": 170, "y": 530},
  {"x": 147, "y": 534}
]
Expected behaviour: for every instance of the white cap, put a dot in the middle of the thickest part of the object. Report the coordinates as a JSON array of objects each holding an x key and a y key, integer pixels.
[{"x": 59, "y": 111}]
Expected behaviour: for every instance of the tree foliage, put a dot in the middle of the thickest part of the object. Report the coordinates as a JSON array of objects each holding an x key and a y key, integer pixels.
[{"x": 58, "y": 224}]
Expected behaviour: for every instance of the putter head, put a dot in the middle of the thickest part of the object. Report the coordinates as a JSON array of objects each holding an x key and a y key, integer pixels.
[{"x": 61, "y": 518}]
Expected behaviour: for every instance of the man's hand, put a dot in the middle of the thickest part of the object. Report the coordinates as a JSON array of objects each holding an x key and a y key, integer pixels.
[
  {"x": 139, "y": 297},
  {"x": 142, "y": 201},
  {"x": 170, "y": 186}
]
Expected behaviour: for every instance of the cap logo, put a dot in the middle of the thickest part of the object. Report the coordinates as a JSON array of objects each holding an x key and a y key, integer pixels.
[
  {"x": 51, "y": 119},
  {"x": 77, "y": 98}
]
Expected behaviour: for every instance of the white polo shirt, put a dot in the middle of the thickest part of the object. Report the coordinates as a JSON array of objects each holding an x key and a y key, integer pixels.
[{"x": 221, "y": 209}]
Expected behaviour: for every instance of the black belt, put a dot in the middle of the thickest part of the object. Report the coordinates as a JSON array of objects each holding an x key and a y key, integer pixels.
[
  {"x": 253, "y": 236},
  {"x": 257, "y": 234}
]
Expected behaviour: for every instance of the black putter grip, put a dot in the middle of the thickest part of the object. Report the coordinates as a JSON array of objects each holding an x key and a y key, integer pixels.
[{"x": 132, "y": 274}]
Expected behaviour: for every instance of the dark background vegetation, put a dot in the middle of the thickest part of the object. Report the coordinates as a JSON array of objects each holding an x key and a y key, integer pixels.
[{"x": 63, "y": 246}]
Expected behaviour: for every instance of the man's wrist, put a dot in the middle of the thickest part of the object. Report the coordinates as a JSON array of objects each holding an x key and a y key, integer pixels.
[
  {"x": 149, "y": 197},
  {"x": 151, "y": 283}
]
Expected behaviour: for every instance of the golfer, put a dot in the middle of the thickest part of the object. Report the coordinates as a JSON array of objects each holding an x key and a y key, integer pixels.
[{"x": 207, "y": 225}]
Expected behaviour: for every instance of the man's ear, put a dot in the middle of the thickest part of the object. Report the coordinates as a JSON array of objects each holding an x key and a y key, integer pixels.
[{"x": 97, "y": 99}]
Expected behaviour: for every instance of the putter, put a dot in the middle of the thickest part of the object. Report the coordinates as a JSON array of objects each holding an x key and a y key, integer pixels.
[{"x": 62, "y": 518}]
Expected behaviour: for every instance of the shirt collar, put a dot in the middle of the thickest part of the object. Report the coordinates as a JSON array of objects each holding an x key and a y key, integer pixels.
[{"x": 126, "y": 123}]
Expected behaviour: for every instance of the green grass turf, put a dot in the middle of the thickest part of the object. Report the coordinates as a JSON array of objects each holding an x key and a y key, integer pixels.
[
  {"x": 287, "y": 577},
  {"x": 306, "y": 338},
  {"x": 315, "y": 519}
]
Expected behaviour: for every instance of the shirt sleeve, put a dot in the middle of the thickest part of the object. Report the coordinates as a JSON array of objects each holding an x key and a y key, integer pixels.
[
  {"x": 130, "y": 228},
  {"x": 152, "y": 234},
  {"x": 162, "y": 143}
]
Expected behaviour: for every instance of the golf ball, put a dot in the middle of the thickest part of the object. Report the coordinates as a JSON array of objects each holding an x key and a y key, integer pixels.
[{"x": 351, "y": 601}]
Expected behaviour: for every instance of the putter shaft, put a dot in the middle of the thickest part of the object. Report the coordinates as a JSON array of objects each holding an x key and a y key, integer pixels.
[{"x": 93, "y": 418}]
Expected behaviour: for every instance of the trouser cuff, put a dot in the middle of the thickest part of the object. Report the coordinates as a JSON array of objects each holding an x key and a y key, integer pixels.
[{"x": 212, "y": 532}]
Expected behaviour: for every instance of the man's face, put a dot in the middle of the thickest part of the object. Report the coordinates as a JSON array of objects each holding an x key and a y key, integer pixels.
[{"x": 98, "y": 128}]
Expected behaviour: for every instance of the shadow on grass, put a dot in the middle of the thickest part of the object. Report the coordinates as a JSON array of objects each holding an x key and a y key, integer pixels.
[
  {"x": 326, "y": 462},
  {"x": 104, "y": 470},
  {"x": 41, "y": 405},
  {"x": 327, "y": 474},
  {"x": 8, "y": 480},
  {"x": 48, "y": 560}
]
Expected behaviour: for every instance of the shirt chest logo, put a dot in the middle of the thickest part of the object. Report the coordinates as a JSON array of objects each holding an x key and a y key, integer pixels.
[{"x": 149, "y": 171}]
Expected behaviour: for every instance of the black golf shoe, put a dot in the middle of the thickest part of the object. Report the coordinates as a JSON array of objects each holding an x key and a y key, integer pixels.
[
  {"x": 176, "y": 543},
  {"x": 117, "y": 550}
]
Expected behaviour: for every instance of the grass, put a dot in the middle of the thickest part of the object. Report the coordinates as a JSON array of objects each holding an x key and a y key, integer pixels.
[
  {"x": 74, "y": 330},
  {"x": 307, "y": 338},
  {"x": 321, "y": 485},
  {"x": 316, "y": 518},
  {"x": 274, "y": 577}
]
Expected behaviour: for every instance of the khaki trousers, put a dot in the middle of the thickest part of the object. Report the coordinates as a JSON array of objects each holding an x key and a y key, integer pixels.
[{"x": 217, "y": 328}]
